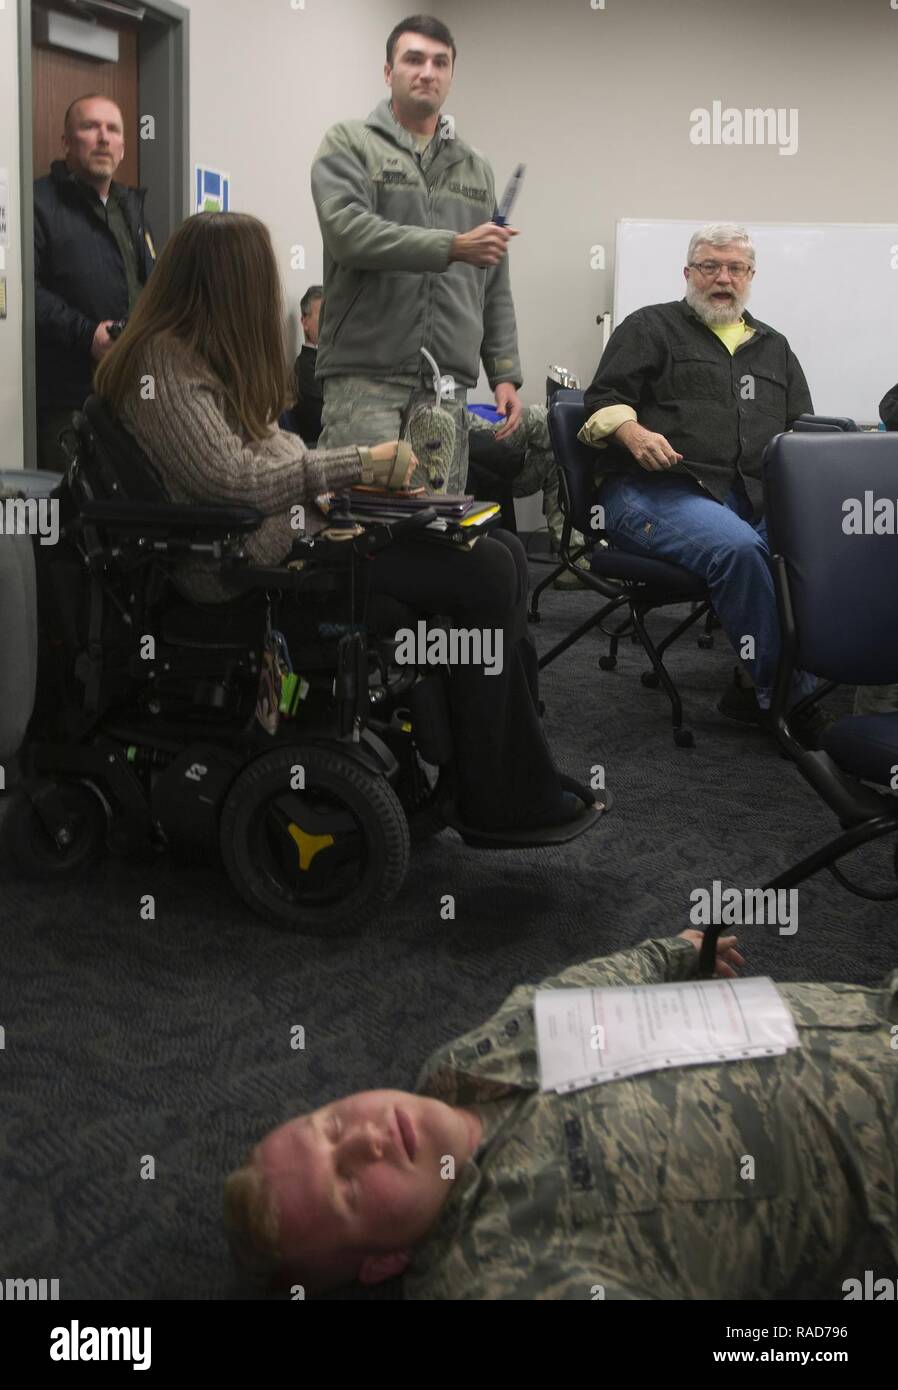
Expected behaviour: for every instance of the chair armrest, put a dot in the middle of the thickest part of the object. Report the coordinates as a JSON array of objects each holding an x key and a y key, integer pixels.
[{"x": 824, "y": 422}]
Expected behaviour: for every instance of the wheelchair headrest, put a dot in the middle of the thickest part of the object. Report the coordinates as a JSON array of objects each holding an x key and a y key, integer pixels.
[
  {"x": 123, "y": 469},
  {"x": 567, "y": 415},
  {"x": 832, "y": 501}
]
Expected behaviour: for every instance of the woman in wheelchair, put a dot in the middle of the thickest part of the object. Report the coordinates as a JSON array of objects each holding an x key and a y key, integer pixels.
[{"x": 199, "y": 378}]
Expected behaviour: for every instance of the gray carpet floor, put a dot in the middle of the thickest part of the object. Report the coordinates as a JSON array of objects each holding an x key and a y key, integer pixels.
[{"x": 171, "y": 1039}]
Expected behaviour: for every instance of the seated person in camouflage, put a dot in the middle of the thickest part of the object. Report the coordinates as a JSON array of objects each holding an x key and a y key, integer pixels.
[
  {"x": 482, "y": 1187},
  {"x": 518, "y": 465}
]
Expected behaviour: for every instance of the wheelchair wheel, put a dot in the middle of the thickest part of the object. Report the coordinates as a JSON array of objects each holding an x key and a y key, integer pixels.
[
  {"x": 318, "y": 851},
  {"x": 33, "y": 852}
]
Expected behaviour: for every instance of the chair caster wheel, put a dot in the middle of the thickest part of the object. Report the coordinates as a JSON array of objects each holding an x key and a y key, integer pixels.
[
  {"x": 33, "y": 851},
  {"x": 607, "y": 663},
  {"x": 651, "y": 679},
  {"x": 706, "y": 642},
  {"x": 683, "y": 738}
]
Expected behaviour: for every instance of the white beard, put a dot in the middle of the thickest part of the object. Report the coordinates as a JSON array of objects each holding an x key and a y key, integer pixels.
[{"x": 715, "y": 315}]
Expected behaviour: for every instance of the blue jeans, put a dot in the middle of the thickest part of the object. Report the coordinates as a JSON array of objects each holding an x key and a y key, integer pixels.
[{"x": 670, "y": 517}]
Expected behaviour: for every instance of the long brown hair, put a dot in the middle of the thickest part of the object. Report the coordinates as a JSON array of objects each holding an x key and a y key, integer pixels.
[{"x": 216, "y": 287}]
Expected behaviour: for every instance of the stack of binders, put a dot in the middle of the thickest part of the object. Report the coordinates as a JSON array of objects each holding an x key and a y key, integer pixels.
[{"x": 459, "y": 520}]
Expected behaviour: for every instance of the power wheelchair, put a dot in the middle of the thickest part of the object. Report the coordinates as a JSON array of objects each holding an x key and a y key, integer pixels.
[{"x": 144, "y": 734}]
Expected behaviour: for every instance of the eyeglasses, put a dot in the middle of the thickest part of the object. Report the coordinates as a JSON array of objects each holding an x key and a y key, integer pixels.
[{"x": 738, "y": 269}]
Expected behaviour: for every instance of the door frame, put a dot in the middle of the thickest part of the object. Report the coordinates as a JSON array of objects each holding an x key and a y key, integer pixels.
[{"x": 163, "y": 76}]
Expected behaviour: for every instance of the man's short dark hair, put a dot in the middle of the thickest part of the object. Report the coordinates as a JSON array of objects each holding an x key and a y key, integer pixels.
[
  {"x": 312, "y": 293},
  {"x": 421, "y": 24},
  {"x": 89, "y": 96}
]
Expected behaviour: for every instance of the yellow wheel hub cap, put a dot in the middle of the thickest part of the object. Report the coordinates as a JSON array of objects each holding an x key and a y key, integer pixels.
[{"x": 308, "y": 845}]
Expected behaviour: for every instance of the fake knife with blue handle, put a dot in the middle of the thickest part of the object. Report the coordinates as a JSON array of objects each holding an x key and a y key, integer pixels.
[{"x": 509, "y": 197}]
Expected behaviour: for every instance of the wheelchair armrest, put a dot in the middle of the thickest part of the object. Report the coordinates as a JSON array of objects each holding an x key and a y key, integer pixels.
[
  {"x": 173, "y": 518},
  {"x": 375, "y": 535}
]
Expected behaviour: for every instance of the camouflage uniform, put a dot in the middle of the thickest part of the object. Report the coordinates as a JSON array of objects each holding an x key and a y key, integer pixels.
[
  {"x": 632, "y": 1189},
  {"x": 540, "y": 470},
  {"x": 389, "y": 212},
  {"x": 875, "y": 699},
  {"x": 362, "y": 410}
]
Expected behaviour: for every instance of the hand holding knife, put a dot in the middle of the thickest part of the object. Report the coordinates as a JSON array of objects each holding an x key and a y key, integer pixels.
[{"x": 483, "y": 246}]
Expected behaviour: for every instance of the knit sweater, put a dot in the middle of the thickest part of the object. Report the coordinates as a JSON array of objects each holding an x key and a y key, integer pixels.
[{"x": 188, "y": 432}]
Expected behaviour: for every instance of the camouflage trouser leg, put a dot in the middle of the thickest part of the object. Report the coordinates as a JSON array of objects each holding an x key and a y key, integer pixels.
[
  {"x": 362, "y": 410},
  {"x": 531, "y": 438},
  {"x": 540, "y": 470},
  {"x": 876, "y": 699}
]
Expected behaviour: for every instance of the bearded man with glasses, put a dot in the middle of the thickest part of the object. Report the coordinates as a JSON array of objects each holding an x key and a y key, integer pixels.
[{"x": 685, "y": 399}]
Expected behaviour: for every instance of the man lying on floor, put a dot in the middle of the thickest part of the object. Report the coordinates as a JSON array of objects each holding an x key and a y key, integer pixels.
[{"x": 629, "y": 1189}]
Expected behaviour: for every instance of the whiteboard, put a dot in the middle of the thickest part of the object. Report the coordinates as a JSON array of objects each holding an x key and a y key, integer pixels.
[{"x": 831, "y": 288}]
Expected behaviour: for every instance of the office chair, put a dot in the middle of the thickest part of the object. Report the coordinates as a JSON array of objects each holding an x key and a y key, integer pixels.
[
  {"x": 825, "y": 424},
  {"x": 836, "y": 593},
  {"x": 635, "y": 583}
]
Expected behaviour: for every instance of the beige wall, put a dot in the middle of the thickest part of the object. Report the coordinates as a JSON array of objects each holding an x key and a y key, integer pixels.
[
  {"x": 266, "y": 82},
  {"x": 596, "y": 102},
  {"x": 11, "y": 326}
]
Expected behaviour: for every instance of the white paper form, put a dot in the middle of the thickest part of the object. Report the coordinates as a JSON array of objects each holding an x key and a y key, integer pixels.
[{"x": 587, "y": 1036}]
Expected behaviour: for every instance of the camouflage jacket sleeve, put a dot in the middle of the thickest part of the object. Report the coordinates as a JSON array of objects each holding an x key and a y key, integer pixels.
[
  {"x": 652, "y": 962},
  {"x": 500, "y": 1057},
  {"x": 353, "y": 233}
]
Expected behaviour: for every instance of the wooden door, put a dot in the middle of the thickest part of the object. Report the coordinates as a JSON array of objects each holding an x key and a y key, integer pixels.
[{"x": 58, "y": 78}]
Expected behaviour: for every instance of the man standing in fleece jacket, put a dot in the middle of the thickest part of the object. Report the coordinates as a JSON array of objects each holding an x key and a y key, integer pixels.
[{"x": 412, "y": 260}]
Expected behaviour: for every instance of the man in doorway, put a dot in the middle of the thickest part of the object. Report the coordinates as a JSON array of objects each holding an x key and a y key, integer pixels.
[
  {"x": 93, "y": 253},
  {"x": 412, "y": 260}
]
